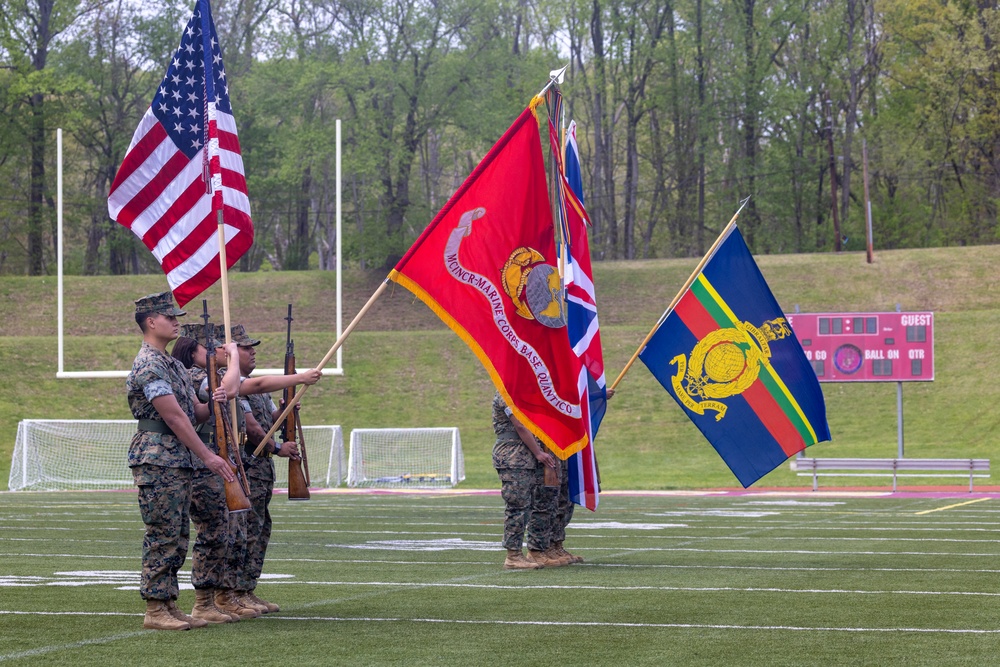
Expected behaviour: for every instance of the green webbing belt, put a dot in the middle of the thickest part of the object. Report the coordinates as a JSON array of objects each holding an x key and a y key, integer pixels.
[
  {"x": 157, "y": 426},
  {"x": 154, "y": 425}
]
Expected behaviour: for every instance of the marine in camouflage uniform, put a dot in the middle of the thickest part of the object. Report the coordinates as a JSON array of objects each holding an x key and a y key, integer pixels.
[
  {"x": 242, "y": 524},
  {"x": 542, "y": 520},
  {"x": 234, "y": 577},
  {"x": 261, "y": 411},
  {"x": 551, "y": 511},
  {"x": 522, "y": 483},
  {"x": 261, "y": 470},
  {"x": 161, "y": 460},
  {"x": 209, "y": 512},
  {"x": 161, "y": 468},
  {"x": 563, "y": 515}
]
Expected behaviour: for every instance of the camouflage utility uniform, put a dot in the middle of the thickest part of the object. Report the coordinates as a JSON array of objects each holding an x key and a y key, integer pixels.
[
  {"x": 564, "y": 506},
  {"x": 522, "y": 485},
  {"x": 544, "y": 515},
  {"x": 242, "y": 524},
  {"x": 261, "y": 471},
  {"x": 236, "y": 542},
  {"x": 208, "y": 508},
  {"x": 161, "y": 467}
]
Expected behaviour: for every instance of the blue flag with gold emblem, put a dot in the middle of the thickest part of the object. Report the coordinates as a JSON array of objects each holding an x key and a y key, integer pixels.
[{"x": 729, "y": 358}]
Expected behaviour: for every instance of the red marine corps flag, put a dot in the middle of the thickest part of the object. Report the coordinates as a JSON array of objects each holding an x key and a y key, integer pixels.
[
  {"x": 184, "y": 167},
  {"x": 487, "y": 266}
]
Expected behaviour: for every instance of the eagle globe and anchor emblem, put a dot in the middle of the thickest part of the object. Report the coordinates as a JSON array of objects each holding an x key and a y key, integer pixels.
[
  {"x": 534, "y": 287},
  {"x": 725, "y": 363}
]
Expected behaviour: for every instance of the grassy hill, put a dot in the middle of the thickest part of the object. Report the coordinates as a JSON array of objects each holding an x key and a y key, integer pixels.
[{"x": 403, "y": 368}]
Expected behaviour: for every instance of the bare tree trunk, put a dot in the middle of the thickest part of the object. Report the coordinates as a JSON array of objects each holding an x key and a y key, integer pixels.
[
  {"x": 659, "y": 198},
  {"x": 36, "y": 199},
  {"x": 851, "y": 111},
  {"x": 359, "y": 219},
  {"x": 833, "y": 179},
  {"x": 631, "y": 187},
  {"x": 431, "y": 166},
  {"x": 122, "y": 256},
  {"x": 602, "y": 207},
  {"x": 684, "y": 169},
  {"x": 750, "y": 95},
  {"x": 95, "y": 234},
  {"x": 327, "y": 222},
  {"x": 819, "y": 209},
  {"x": 297, "y": 256},
  {"x": 702, "y": 131}
]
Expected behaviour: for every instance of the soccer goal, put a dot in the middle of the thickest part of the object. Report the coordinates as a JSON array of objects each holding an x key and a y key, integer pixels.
[
  {"x": 405, "y": 458},
  {"x": 84, "y": 454}
]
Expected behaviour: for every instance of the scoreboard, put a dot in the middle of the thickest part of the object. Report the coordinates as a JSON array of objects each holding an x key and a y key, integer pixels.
[{"x": 867, "y": 347}]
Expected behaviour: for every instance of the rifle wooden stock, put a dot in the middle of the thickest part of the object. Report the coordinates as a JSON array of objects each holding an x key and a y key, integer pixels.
[
  {"x": 237, "y": 499},
  {"x": 302, "y": 451},
  {"x": 298, "y": 483},
  {"x": 298, "y": 479},
  {"x": 241, "y": 473},
  {"x": 551, "y": 476}
]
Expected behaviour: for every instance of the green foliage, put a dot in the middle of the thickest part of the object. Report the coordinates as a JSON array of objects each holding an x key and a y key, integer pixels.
[
  {"x": 684, "y": 108},
  {"x": 403, "y": 368}
]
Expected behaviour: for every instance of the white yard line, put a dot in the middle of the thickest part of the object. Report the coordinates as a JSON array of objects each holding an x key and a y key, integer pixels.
[
  {"x": 521, "y": 586},
  {"x": 675, "y": 626},
  {"x": 42, "y": 650},
  {"x": 495, "y": 563}
]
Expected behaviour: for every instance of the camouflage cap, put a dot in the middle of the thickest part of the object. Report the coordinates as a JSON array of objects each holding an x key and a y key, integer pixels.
[
  {"x": 204, "y": 334},
  {"x": 158, "y": 303},
  {"x": 241, "y": 337}
]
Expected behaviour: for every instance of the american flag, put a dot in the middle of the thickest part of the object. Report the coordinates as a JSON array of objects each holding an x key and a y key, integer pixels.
[
  {"x": 582, "y": 324},
  {"x": 184, "y": 166}
]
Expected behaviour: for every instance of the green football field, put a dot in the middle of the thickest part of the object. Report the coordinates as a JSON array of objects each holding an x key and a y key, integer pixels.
[{"x": 686, "y": 578}]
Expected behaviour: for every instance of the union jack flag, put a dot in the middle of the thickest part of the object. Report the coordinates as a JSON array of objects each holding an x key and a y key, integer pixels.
[
  {"x": 581, "y": 322},
  {"x": 184, "y": 166}
]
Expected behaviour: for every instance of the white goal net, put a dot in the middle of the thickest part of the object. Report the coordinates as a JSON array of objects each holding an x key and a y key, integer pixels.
[
  {"x": 405, "y": 458},
  {"x": 83, "y": 454}
]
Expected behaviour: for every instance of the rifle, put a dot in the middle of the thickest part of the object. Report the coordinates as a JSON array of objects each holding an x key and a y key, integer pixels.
[
  {"x": 552, "y": 475},
  {"x": 298, "y": 479},
  {"x": 237, "y": 491}
]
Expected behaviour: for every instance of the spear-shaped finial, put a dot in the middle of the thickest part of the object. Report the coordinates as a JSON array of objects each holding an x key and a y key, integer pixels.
[{"x": 556, "y": 77}]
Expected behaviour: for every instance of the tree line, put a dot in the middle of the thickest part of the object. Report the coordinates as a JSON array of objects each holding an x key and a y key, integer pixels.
[{"x": 684, "y": 107}]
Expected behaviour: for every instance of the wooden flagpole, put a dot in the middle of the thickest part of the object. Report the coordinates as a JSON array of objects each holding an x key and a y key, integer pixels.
[
  {"x": 555, "y": 184},
  {"x": 333, "y": 350},
  {"x": 213, "y": 188},
  {"x": 226, "y": 319},
  {"x": 691, "y": 279},
  {"x": 551, "y": 475},
  {"x": 224, "y": 279}
]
